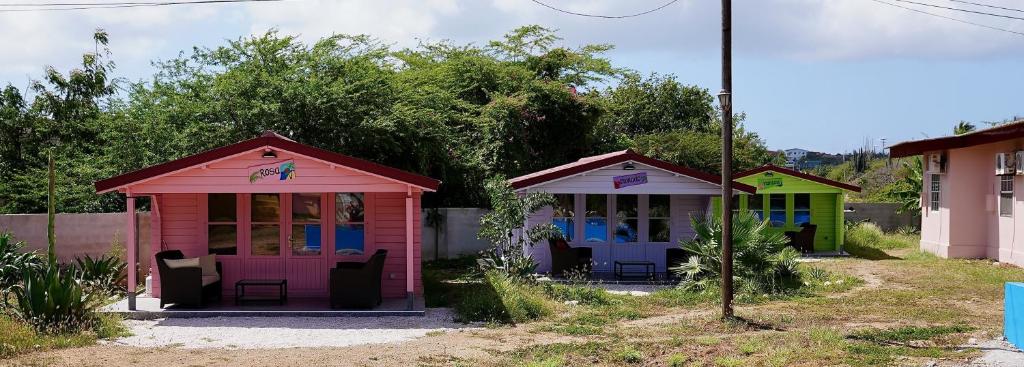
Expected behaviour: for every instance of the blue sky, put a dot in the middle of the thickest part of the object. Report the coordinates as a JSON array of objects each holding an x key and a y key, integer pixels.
[{"x": 815, "y": 74}]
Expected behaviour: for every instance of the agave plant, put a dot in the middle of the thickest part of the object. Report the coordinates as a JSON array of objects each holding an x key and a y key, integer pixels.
[
  {"x": 13, "y": 263},
  {"x": 104, "y": 274},
  {"x": 53, "y": 301},
  {"x": 762, "y": 261}
]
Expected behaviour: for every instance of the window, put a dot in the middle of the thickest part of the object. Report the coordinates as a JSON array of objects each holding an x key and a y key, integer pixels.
[
  {"x": 266, "y": 228},
  {"x": 349, "y": 224},
  {"x": 755, "y": 203},
  {"x": 596, "y": 225},
  {"x": 659, "y": 218},
  {"x": 777, "y": 209},
  {"x": 627, "y": 215},
  {"x": 1006, "y": 196},
  {"x": 935, "y": 191},
  {"x": 564, "y": 214},
  {"x": 801, "y": 209},
  {"x": 305, "y": 238},
  {"x": 222, "y": 224}
]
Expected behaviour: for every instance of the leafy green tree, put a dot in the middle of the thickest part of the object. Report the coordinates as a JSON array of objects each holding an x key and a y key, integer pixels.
[
  {"x": 505, "y": 227},
  {"x": 703, "y": 150},
  {"x": 963, "y": 127}
]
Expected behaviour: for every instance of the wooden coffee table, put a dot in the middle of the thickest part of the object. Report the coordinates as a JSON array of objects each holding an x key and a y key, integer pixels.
[{"x": 281, "y": 284}]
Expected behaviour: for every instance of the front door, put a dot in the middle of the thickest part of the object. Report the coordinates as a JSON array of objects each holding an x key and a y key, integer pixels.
[{"x": 306, "y": 241}]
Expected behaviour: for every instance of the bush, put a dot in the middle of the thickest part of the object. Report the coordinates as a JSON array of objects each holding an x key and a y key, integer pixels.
[
  {"x": 579, "y": 293},
  {"x": 502, "y": 299},
  {"x": 103, "y": 275},
  {"x": 52, "y": 301},
  {"x": 14, "y": 263},
  {"x": 867, "y": 240},
  {"x": 763, "y": 264}
]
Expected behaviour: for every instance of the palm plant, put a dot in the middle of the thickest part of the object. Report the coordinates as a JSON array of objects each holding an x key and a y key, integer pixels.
[{"x": 762, "y": 261}]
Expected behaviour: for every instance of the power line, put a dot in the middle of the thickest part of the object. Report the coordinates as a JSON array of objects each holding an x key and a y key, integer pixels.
[
  {"x": 988, "y": 6},
  {"x": 665, "y": 5},
  {"x": 114, "y": 5},
  {"x": 961, "y": 10},
  {"x": 951, "y": 18}
]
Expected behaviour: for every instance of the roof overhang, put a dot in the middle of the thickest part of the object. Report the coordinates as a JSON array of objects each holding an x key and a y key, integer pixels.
[
  {"x": 1006, "y": 131},
  {"x": 267, "y": 140},
  {"x": 588, "y": 164},
  {"x": 798, "y": 174}
]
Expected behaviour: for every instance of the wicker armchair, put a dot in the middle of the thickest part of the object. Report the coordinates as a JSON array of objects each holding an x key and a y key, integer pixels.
[
  {"x": 804, "y": 239},
  {"x": 565, "y": 258},
  {"x": 184, "y": 286},
  {"x": 358, "y": 284}
]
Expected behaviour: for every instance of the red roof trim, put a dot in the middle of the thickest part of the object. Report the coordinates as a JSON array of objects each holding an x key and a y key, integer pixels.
[
  {"x": 795, "y": 173},
  {"x": 1007, "y": 131},
  {"x": 267, "y": 139},
  {"x": 601, "y": 161}
]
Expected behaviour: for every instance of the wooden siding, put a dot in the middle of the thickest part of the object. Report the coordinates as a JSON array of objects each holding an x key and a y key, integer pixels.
[{"x": 600, "y": 182}]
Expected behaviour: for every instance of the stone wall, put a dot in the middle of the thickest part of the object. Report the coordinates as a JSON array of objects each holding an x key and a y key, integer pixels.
[{"x": 92, "y": 234}]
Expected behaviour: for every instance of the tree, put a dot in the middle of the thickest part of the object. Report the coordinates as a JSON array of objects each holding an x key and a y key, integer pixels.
[
  {"x": 702, "y": 150},
  {"x": 908, "y": 191},
  {"x": 506, "y": 229},
  {"x": 963, "y": 127}
]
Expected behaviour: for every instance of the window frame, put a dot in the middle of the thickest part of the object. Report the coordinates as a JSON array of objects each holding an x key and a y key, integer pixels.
[
  {"x": 253, "y": 223},
  {"x": 571, "y": 219},
  {"x": 624, "y": 219},
  {"x": 795, "y": 209},
  {"x": 651, "y": 219},
  {"x": 319, "y": 222},
  {"x": 237, "y": 223},
  {"x": 1006, "y": 193},
  {"x": 772, "y": 209},
  {"x": 935, "y": 192},
  {"x": 587, "y": 217},
  {"x": 756, "y": 210},
  {"x": 334, "y": 226}
]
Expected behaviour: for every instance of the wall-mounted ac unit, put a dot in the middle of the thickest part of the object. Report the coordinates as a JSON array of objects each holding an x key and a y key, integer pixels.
[
  {"x": 1005, "y": 164},
  {"x": 1019, "y": 162},
  {"x": 936, "y": 163}
]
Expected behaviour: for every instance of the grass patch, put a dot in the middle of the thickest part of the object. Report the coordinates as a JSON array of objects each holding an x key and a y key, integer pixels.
[
  {"x": 446, "y": 280},
  {"x": 907, "y": 333},
  {"x": 579, "y": 293},
  {"x": 866, "y": 240},
  {"x": 18, "y": 338},
  {"x": 500, "y": 299}
]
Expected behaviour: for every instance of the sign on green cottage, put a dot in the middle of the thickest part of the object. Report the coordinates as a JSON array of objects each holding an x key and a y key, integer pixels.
[
  {"x": 769, "y": 182},
  {"x": 266, "y": 173}
]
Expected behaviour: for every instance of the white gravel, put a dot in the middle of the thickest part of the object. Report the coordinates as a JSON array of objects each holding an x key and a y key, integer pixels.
[
  {"x": 284, "y": 332},
  {"x": 997, "y": 353}
]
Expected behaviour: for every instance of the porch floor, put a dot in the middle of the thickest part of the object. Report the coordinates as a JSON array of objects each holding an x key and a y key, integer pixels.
[{"x": 149, "y": 308}]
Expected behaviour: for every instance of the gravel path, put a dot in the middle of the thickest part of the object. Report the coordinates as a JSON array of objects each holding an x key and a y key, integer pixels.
[
  {"x": 284, "y": 332},
  {"x": 998, "y": 353}
]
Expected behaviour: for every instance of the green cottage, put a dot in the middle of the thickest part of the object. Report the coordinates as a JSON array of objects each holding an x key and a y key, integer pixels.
[{"x": 789, "y": 198}]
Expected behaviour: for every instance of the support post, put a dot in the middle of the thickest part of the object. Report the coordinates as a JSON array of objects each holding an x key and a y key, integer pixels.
[
  {"x": 725, "y": 101},
  {"x": 131, "y": 247},
  {"x": 409, "y": 266}
]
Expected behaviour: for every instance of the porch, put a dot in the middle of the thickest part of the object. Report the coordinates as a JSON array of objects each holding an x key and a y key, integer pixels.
[{"x": 148, "y": 308}]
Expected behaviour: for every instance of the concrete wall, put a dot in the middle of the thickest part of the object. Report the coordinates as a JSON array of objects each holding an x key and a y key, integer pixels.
[
  {"x": 882, "y": 214},
  {"x": 457, "y": 237},
  {"x": 77, "y": 234}
]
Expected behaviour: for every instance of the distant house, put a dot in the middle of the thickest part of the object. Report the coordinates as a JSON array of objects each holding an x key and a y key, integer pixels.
[
  {"x": 970, "y": 206},
  {"x": 795, "y": 154}
]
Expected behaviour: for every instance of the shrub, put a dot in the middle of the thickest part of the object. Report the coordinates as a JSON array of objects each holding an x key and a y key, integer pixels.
[
  {"x": 505, "y": 227},
  {"x": 103, "y": 275},
  {"x": 762, "y": 261},
  {"x": 13, "y": 263},
  {"x": 51, "y": 300},
  {"x": 502, "y": 299},
  {"x": 579, "y": 293},
  {"x": 867, "y": 240}
]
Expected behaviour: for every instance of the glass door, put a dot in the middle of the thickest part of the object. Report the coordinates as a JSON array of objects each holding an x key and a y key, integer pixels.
[
  {"x": 305, "y": 254},
  {"x": 263, "y": 256}
]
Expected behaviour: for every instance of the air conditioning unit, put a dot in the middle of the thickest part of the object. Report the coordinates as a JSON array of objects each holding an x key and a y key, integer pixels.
[
  {"x": 1005, "y": 164},
  {"x": 936, "y": 163},
  {"x": 1019, "y": 162}
]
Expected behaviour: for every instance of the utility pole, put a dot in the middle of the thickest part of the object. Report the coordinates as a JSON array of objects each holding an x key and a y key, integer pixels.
[{"x": 725, "y": 102}]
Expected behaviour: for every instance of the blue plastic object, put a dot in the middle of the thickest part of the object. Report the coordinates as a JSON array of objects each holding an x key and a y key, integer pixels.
[{"x": 1013, "y": 314}]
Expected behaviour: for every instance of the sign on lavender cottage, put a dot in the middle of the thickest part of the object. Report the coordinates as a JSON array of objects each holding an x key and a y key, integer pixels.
[
  {"x": 630, "y": 180},
  {"x": 272, "y": 172}
]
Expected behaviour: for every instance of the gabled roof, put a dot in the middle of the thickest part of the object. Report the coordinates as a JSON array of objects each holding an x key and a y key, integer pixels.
[
  {"x": 994, "y": 134},
  {"x": 798, "y": 174},
  {"x": 600, "y": 161},
  {"x": 268, "y": 139}
]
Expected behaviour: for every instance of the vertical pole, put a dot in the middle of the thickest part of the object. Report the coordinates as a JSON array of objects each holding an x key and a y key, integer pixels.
[
  {"x": 131, "y": 247},
  {"x": 409, "y": 266},
  {"x": 727, "y": 286}
]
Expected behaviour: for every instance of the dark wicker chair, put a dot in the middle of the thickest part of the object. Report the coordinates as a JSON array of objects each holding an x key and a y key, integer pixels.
[
  {"x": 673, "y": 257},
  {"x": 358, "y": 284},
  {"x": 565, "y": 258},
  {"x": 803, "y": 240},
  {"x": 184, "y": 286}
]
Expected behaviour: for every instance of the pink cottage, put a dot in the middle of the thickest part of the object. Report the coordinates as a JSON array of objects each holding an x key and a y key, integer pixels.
[
  {"x": 970, "y": 205},
  {"x": 273, "y": 209}
]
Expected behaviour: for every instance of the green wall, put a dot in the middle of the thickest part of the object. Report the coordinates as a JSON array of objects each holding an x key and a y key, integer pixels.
[{"x": 826, "y": 204}]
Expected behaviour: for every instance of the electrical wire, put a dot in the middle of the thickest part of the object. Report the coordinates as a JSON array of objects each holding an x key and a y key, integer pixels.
[
  {"x": 665, "y": 5},
  {"x": 988, "y": 6},
  {"x": 115, "y": 5},
  {"x": 960, "y": 10},
  {"x": 951, "y": 18}
]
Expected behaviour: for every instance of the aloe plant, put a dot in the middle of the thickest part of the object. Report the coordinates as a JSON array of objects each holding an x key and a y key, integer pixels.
[
  {"x": 104, "y": 274},
  {"x": 13, "y": 263}
]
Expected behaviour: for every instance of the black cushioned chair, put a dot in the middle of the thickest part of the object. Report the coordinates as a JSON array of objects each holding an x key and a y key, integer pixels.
[
  {"x": 184, "y": 286},
  {"x": 803, "y": 240},
  {"x": 357, "y": 284},
  {"x": 564, "y": 257}
]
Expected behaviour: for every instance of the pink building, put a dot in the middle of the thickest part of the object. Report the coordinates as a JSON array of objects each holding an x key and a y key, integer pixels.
[
  {"x": 970, "y": 206},
  {"x": 271, "y": 208}
]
